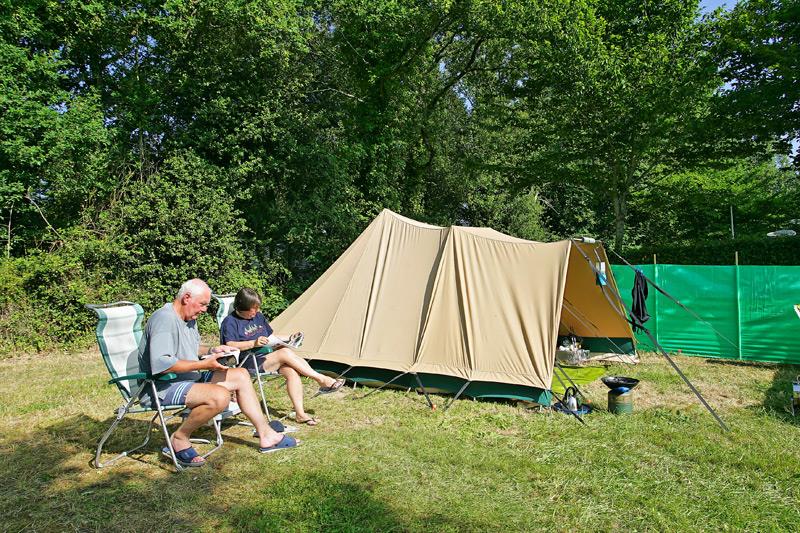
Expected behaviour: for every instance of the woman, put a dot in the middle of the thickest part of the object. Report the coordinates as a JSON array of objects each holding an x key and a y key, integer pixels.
[{"x": 247, "y": 329}]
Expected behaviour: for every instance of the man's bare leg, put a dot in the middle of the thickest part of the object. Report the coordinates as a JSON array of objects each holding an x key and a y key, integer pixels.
[
  {"x": 238, "y": 380},
  {"x": 205, "y": 401}
]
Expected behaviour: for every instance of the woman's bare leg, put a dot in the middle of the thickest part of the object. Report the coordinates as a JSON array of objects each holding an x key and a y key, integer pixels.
[
  {"x": 286, "y": 357},
  {"x": 294, "y": 387}
]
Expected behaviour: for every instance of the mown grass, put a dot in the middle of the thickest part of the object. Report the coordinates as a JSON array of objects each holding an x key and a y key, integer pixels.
[{"x": 387, "y": 463}]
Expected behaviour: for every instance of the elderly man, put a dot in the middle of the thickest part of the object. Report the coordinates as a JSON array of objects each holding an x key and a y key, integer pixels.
[{"x": 171, "y": 343}]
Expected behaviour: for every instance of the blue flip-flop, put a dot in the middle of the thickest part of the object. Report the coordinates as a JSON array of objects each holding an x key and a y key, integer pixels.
[
  {"x": 278, "y": 427},
  {"x": 285, "y": 443},
  {"x": 184, "y": 457}
]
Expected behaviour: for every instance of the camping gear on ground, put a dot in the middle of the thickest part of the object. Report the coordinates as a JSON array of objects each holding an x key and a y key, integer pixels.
[
  {"x": 119, "y": 331},
  {"x": 454, "y": 309},
  {"x": 620, "y": 397},
  {"x": 569, "y": 350},
  {"x": 570, "y": 399},
  {"x": 580, "y": 411},
  {"x": 620, "y": 401},
  {"x": 613, "y": 382},
  {"x": 572, "y": 357},
  {"x": 796, "y": 396}
]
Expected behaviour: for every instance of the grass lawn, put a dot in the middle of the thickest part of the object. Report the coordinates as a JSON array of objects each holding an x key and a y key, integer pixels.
[{"x": 389, "y": 463}]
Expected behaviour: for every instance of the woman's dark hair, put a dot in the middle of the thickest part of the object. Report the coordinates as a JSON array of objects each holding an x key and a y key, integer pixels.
[{"x": 246, "y": 299}]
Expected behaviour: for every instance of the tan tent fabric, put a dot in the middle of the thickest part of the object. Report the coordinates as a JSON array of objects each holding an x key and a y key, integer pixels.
[
  {"x": 471, "y": 303},
  {"x": 367, "y": 307},
  {"x": 586, "y": 311},
  {"x": 495, "y": 308}
]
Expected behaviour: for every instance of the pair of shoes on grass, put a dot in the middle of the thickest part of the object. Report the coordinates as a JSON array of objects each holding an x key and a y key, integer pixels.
[{"x": 185, "y": 457}]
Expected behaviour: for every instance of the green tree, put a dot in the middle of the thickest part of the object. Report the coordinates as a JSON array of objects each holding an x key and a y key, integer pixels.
[
  {"x": 758, "y": 50},
  {"x": 610, "y": 96}
]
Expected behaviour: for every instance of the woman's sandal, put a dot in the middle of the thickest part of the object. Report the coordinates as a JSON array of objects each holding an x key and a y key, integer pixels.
[
  {"x": 310, "y": 421},
  {"x": 338, "y": 384}
]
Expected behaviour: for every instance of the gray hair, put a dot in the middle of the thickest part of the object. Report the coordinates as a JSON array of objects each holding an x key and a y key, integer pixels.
[{"x": 193, "y": 287}]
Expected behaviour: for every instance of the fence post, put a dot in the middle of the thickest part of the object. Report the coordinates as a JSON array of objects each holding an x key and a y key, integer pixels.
[
  {"x": 655, "y": 302},
  {"x": 738, "y": 307}
]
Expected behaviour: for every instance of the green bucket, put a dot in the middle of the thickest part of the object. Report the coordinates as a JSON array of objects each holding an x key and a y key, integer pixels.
[{"x": 620, "y": 403}]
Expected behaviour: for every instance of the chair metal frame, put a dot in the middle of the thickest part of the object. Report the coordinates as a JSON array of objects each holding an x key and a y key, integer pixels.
[{"x": 131, "y": 399}]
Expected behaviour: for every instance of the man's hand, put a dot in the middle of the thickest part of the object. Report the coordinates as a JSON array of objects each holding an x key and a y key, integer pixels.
[
  {"x": 223, "y": 348},
  {"x": 212, "y": 364},
  {"x": 216, "y": 353}
]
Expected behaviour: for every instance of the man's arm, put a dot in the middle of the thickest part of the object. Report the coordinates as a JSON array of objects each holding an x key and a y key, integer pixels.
[{"x": 209, "y": 363}]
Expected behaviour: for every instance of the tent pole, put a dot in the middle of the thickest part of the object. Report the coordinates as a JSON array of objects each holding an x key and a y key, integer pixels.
[
  {"x": 559, "y": 379},
  {"x": 452, "y": 401},
  {"x": 570, "y": 381},
  {"x": 621, "y": 351},
  {"x": 419, "y": 382},
  {"x": 658, "y": 346},
  {"x": 398, "y": 376},
  {"x": 686, "y": 380}
]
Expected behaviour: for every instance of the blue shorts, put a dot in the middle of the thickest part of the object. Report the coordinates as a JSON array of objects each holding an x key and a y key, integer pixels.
[{"x": 175, "y": 394}]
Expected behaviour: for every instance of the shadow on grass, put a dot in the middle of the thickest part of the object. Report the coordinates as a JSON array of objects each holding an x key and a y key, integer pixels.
[
  {"x": 47, "y": 483},
  {"x": 736, "y": 362},
  {"x": 779, "y": 395}
]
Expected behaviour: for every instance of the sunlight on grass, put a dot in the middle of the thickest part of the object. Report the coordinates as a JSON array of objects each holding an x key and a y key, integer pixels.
[{"x": 388, "y": 463}]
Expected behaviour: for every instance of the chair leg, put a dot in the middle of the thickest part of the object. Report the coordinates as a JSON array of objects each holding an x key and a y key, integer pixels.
[
  {"x": 218, "y": 429},
  {"x": 121, "y": 412},
  {"x": 217, "y": 422},
  {"x": 257, "y": 376},
  {"x": 167, "y": 437},
  {"x": 263, "y": 398}
]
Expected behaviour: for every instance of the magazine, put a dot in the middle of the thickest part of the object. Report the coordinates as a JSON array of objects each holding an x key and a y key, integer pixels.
[{"x": 294, "y": 341}]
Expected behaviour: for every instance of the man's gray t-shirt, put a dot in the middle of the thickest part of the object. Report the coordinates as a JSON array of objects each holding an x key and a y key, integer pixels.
[{"x": 167, "y": 339}]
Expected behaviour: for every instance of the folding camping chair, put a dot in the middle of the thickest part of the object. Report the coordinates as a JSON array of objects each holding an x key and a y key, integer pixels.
[
  {"x": 119, "y": 331},
  {"x": 225, "y": 308}
]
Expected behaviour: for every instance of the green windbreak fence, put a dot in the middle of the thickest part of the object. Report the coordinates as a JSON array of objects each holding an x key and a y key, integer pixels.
[{"x": 750, "y": 307}]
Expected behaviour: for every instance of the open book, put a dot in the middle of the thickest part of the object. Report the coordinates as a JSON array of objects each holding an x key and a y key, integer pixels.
[{"x": 294, "y": 341}]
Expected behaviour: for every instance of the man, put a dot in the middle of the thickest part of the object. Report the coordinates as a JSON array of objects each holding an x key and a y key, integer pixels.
[{"x": 171, "y": 343}]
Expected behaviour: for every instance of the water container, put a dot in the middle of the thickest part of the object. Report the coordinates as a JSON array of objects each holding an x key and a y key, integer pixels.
[{"x": 620, "y": 403}]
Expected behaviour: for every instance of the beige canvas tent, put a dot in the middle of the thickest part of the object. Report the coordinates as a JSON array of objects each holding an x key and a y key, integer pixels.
[{"x": 454, "y": 306}]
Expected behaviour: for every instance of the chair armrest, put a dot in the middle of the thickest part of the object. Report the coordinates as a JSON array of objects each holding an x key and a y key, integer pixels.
[
  {"x": 141, "y": 375},
  {"x": 264, "y": 350}
]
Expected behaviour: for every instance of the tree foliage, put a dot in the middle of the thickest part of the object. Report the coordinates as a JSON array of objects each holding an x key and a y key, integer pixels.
[{"x": 249, "y": 142}]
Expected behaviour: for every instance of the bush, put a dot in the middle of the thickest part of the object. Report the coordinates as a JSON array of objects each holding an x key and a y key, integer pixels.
[
  {"x": 752, "y": 251},
  {"x": 176, "y": 225}
]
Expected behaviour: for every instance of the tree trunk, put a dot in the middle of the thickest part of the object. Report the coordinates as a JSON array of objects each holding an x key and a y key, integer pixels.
[{"x": 620, "y": 199}]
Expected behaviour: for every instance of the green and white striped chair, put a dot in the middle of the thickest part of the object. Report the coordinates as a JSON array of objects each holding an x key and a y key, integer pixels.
[
  {"x": 119, "y": 331},
  {"x": 225, "y": 308}
]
